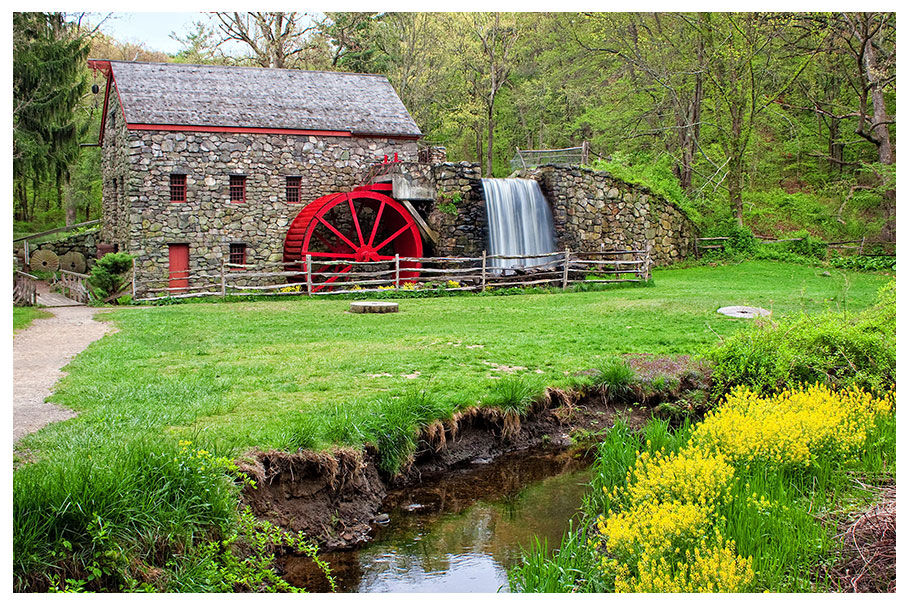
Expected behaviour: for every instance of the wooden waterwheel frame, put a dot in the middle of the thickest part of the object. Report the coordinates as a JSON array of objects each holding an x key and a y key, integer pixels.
[{"x": 357, "y": 243}]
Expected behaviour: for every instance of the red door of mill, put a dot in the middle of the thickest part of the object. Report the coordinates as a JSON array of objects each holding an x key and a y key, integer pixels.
[{"x": 179, "y": 266}]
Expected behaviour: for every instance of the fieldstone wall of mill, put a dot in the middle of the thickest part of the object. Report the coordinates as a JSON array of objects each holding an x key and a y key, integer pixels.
[
  {"x": 459, "y": 212},
  {"x": 593, "y": 211},
  {"x": 208, "y": 221}
]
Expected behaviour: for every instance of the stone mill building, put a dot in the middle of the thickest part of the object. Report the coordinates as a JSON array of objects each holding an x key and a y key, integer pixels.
[
  {"x": 201, "y": 163},
  {"x": 206, "y": 164}
]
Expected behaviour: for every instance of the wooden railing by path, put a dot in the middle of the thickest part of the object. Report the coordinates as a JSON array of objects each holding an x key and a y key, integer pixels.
[
  {"x": 72, "y": 285},
  {"x": 25, "y": 289},
  {"x": 860, "y": 247},
  {"x": 343, "y": 276}
]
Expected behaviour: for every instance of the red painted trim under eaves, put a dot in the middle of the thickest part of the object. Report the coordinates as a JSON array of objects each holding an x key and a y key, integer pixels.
[{"x": 239, "y": 129}]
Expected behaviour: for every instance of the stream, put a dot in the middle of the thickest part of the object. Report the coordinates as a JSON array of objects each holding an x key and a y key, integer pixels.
[{"x": 460, "y": 532}]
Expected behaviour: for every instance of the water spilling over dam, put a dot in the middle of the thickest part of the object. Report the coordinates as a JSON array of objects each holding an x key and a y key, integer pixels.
[{"x": 520, "y": 222}]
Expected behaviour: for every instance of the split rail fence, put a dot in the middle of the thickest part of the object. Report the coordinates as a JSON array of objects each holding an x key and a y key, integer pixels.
[
  {"x": 326, "y": 277},
  {"x": 861, "y": 247}
]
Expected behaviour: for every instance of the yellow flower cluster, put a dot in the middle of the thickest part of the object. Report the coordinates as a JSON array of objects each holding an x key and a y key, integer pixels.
[
  {"x": 661, "y": 535},
  {"x": 295, "y": 288},
  {"x": 691, "y": 476},
  {"x": 653, "y": 527},
  {"x": 792, "y": 427},
  {"x": 452, "y": 284},
  {"x": 712, "y": 566}
]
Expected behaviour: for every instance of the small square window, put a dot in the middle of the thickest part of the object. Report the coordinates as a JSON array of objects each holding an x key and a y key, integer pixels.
[
  {"x": 178, "y": 188},
  {"x": 238, "y": 188},
  {"x": 237, "y": 255},
  {"x": 293, "y": 189}
]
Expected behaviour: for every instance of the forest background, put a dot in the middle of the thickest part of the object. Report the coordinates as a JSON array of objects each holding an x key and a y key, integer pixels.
[{"x": 782, "y": 123}]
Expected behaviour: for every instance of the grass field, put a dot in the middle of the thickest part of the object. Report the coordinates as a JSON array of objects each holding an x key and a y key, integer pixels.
[
  {"x": 239, "y": 375},
  {"x": 179, "y": 391}
]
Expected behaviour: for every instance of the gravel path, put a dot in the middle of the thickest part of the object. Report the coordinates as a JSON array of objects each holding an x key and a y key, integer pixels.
[{"x": 39, "y": 352}]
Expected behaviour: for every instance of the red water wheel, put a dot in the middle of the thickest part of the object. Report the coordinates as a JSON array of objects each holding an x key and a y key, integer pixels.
[{"x": 339, "y": 229}]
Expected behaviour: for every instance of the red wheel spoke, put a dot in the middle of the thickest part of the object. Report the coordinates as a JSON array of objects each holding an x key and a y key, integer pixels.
[
  {"x": 393, "y": 236},
  {"x": 375, "y": 226},
  {"x": 333, "y": 278},
  {"x": 356, "y": 220},
  {"x": 337, "y": 233}
]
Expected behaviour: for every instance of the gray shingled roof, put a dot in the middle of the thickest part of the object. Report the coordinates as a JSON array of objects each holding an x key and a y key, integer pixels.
[{"x": 214, "y": 95}]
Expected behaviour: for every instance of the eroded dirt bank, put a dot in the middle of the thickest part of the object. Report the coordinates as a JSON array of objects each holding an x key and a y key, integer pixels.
[{"x": 336, "y": 497}]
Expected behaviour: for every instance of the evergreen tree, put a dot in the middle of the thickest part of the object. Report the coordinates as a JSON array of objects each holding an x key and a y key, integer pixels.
[{"x": 49, "y": 79}]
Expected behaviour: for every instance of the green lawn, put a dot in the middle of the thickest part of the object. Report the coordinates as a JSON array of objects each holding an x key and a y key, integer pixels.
[
  {"x": 23, "y": 316},
  {"x": 238, "y": 375}
]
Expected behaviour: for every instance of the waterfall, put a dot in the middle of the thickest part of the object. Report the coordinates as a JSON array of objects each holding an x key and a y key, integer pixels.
[{"x": 520, "y": 222}]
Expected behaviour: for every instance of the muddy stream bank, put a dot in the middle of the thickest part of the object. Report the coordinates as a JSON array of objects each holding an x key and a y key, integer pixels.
[{"x": 480, "y": 486}]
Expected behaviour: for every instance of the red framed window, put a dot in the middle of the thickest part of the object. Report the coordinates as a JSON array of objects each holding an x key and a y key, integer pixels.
[
  {"x": 178, "y": 188},
  {"x": 238, "y": 188},
  {"x": 237, "y": 255},
  {"x": 293, "y": 188}
]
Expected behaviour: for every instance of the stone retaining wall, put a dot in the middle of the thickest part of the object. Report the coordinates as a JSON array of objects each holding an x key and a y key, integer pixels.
[
  {"x": 85, "y": 242},
  {"x": 592, "y": 210},
  {"x": 459, "y": 212}
]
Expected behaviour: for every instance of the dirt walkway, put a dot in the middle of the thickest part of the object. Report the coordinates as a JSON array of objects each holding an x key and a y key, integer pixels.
[{"x": 39, "y": 352}]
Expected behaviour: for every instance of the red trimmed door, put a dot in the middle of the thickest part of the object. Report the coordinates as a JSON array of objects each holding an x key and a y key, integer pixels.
[{"x": 179, "y": 266}]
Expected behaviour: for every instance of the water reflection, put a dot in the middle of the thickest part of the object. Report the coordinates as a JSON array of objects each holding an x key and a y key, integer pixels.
[{"x": 461, "y": 533}]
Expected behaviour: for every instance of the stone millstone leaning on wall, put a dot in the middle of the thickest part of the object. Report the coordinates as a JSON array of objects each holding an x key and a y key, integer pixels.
[{"x": 592, "y": 211}]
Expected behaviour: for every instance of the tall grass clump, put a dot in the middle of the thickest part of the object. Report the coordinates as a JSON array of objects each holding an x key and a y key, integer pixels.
[
  {"x": 91, "y": 515},
  {"x": 395, "y": 428},
  {"x": 833, "y": 348},
  {"x": 513, "y": 394},
  {"x": 615, "y": 378}
]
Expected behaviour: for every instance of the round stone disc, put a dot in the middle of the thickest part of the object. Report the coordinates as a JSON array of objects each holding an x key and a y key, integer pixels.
[
  {"x": 743, "y": 311},
  {"x": 45, "y": 260},
  {"x": 373, "y": 307}
]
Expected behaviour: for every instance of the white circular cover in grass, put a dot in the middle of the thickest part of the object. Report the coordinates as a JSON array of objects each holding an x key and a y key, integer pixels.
[
  {"x": 742, "y": 311},
  {"x": 373, "y": 307}
]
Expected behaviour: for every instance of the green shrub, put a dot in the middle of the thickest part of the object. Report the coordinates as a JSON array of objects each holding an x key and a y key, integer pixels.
[
  {"x": 107, "y": 274},
  {"x": 864, "y": 263},
  {"x": 741, "y": 242},
  {"x": 832, "y": 348}
]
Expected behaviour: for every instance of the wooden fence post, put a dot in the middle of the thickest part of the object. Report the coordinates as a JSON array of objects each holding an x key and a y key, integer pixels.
[
  {"x": 483, "y": 274},
  {"x": 134, "y": 278},
  {"x": 565, "y": 269},
  {"x": 585, "y": 152},
  {"x": 223, "y": 280},
  {"x": 26, "y": 263},
  {"x": 397, "y": 270},
  {"x": 309, "y": 275}
]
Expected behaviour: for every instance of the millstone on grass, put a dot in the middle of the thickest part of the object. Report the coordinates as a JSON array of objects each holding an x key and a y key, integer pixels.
[
  {"x": 373, "y": 307},
  {"x": 743, "y": 311}
]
